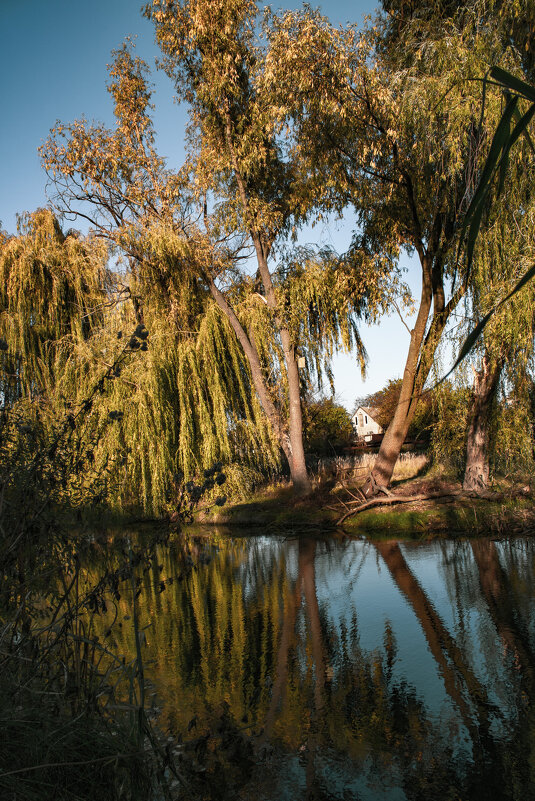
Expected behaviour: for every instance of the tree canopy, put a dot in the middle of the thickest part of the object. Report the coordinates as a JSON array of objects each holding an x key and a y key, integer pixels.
[
  {"x": 290, "y": 120},
  {"x": 215, "y": 228},
  {"x": 388, "y": 120}
]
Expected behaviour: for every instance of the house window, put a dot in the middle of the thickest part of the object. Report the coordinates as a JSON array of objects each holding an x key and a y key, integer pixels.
[
  {"x": 361, "y": 420},
  {"x": 366, "y": 419}
]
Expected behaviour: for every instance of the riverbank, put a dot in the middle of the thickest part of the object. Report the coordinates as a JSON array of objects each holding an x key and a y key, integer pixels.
[{"x": 447, "y": 512}]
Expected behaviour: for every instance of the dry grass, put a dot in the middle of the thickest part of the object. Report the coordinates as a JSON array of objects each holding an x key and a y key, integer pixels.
[
  {"x": 356, "y": 468},
  {"x": 409, "y": 465}
]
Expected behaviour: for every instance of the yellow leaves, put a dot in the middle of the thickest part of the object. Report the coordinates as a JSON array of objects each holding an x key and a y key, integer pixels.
[{"x": 51, "y": 293}]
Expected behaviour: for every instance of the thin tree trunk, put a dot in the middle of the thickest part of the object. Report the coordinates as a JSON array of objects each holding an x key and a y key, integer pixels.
[
  {"x": 298, "y": 470},
  {"x": 293, "y": 446},
  {"x": 252, "y": 357},
  {"x": 291, "y": 436},
  {"x": 476, "y": 473}
]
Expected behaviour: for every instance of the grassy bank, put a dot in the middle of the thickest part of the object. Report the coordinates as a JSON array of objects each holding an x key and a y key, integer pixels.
[
  {"x": 463, "y": 516},
  {"x": 509, "y": 511}
]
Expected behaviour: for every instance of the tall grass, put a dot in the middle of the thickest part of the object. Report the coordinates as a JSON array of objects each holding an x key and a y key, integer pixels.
[{"x": 356, "y": 468}]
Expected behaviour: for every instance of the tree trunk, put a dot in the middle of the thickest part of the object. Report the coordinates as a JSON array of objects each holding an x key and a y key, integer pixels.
[
  {"x": 476, "y": 474},
  {"x": 293, "y": 444},
  {"x": 291, "y": 436},
  {"x": 397, "y": 430},
  {"x": 298, "y": 469},
  {"x": 392, "y": 441},
  {"x": 423, "y": 344}
]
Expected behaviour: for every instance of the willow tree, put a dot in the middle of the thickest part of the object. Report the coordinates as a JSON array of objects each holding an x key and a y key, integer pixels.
[
  {"x": 52, "y": 292},
  {"x": 505, "y": 350},
  {"x": 395, "y": 132},
  {"x": 183, "y": 411},
  {"x": 65, "y": 319},
  {"x": 238, "y": 164},
  {"x": 188, "y": 233}
]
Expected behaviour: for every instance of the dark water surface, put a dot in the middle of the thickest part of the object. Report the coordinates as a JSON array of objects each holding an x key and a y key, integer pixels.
[{"x": 320, "y": 669}]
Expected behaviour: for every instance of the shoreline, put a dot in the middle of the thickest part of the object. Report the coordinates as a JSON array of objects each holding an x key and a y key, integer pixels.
[{"x": 454, "y": 513}]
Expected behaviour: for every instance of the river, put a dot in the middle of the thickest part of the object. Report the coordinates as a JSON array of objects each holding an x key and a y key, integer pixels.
[{"x": 309, "y": 668}]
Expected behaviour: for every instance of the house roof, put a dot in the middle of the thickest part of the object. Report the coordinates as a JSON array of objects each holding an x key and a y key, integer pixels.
[{"x": 371, "y": 411}]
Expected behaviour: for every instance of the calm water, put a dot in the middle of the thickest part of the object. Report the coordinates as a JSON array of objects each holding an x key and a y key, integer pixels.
[{"x": 310, "y": 669}]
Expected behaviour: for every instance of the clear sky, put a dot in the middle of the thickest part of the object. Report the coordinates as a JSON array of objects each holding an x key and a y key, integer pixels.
[{"x": 53, "y": 57}]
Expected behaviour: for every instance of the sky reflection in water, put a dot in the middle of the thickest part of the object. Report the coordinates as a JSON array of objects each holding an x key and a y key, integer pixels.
[{"x": 308, "y": 669}]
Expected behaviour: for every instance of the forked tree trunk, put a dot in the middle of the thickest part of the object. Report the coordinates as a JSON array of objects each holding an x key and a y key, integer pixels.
[
  {"x": 290, "y": 432},
  {"x": 294, "y": 441},
  {"x": 476, "y": 474}
]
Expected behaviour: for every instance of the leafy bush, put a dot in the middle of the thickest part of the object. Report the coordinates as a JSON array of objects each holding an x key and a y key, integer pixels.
[{"x": 327, "y": 427}]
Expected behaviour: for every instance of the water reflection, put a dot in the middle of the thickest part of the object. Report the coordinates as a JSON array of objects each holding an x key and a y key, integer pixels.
[{"x": 308, "y": 669}]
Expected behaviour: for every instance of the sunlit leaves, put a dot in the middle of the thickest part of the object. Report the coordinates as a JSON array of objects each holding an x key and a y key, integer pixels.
[
  {"x": 52, "y": 292},
  {"x": 115, "y": 176}
]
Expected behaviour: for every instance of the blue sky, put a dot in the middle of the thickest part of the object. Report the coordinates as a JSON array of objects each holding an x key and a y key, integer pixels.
[{"x": 53, "y": 58}]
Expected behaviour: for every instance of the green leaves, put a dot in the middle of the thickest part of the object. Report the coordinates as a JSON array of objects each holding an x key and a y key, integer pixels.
[
  {"x": 498, "y": 156},
  {"x": 498, "y": 153},
  {"x": 513, "y": 84},
  {"x": 474, "y": 335},
  {"x": 497, "y": 163}
]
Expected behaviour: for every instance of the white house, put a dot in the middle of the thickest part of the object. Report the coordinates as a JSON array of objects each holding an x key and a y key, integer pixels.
[{"x": 365, "y": 424}]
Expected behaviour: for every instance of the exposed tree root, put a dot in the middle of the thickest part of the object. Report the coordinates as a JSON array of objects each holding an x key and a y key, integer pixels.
[
  {"x": 428, "y": 496},
  {"x": 391, "y": 499}
]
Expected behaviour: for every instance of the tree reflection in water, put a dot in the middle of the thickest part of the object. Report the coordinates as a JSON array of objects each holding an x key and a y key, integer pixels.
[{"x": 276, "y": 696}]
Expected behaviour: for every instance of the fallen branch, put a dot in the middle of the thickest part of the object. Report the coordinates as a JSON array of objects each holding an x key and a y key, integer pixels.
[
  {"x": 391, "y": 499},
  {"x": 344, "y": 504},
  {"x": 356, "y": 499}
]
